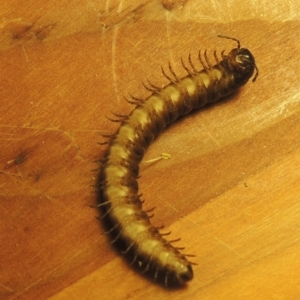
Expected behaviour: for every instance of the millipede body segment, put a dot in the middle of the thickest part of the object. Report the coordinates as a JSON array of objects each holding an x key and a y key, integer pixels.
[{"x": 120, "y": 199}]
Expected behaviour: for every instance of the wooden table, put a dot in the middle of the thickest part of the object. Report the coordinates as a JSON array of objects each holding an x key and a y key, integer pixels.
[{"x": 230, "y": 190}]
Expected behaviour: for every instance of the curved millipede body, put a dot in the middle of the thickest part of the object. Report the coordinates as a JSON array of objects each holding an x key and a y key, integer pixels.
[{"x": 120, "y": 200}]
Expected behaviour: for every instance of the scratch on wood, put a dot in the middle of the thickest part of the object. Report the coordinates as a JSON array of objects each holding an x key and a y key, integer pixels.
[
  {"x": 231, "y": 249},
  {"x": 110, "y": 19},
  {"x": 25, "y": 53},
  {"x": 171, "y": 4},
  {"x": 6, "y": 288},
  {"x": 23, "y": 30}
]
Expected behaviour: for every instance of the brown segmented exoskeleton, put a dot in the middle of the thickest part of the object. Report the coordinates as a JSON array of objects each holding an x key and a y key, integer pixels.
[{"x": 120, "y": 202}]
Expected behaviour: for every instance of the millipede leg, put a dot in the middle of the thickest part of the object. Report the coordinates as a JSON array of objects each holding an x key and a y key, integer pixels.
[
  {"x": 186, "y": 68},
  {"x": 192, "y": 65},
  {"x": 207, "y": 60},
  {"x": 216, "y": 57},
  {"x": 202, "y": 62}
]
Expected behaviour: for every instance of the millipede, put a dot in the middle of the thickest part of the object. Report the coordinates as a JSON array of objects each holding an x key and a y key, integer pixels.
[{"x": 120, "y": 202}]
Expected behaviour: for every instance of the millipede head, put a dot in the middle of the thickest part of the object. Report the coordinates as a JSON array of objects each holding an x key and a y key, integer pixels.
[{"x": 242, "y": 62}]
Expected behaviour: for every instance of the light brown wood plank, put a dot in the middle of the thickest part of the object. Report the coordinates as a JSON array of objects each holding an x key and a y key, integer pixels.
[{"x": 230, "y": 190}]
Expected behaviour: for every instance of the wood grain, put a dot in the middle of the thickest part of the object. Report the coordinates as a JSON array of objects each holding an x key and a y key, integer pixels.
[{"x": 230, "y": 190}]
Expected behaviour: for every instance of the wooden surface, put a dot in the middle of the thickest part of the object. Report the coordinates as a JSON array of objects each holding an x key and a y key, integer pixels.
[{"x": 230, "y": 190}]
